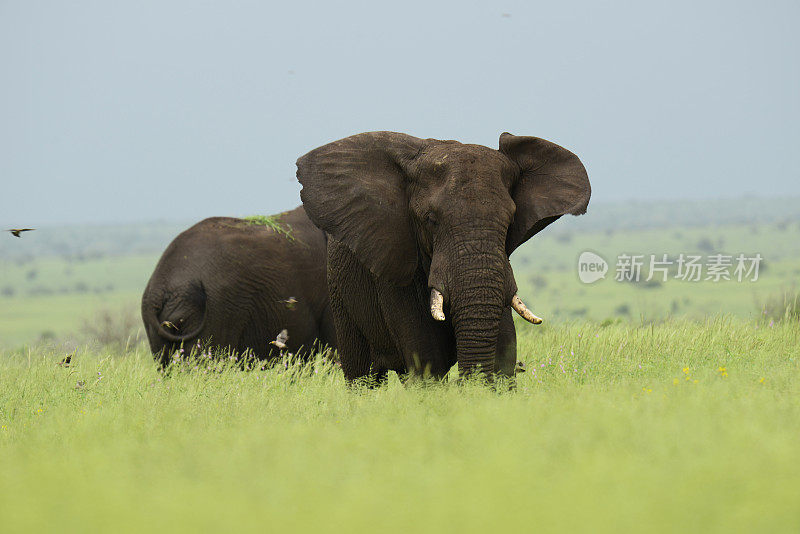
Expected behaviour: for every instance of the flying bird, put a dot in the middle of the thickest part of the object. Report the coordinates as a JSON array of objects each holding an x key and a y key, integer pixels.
[
  {"x": 16, "y": 231},
  {"x": 281, "y": 339},
  {"x": 66, "y": 361}
]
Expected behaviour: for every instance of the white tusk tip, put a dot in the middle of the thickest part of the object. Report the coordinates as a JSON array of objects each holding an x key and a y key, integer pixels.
[{"x": 437, "y": 303}]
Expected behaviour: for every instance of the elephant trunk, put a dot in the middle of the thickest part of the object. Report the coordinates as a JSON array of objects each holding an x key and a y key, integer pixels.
[{"x": 477, "y": 288}]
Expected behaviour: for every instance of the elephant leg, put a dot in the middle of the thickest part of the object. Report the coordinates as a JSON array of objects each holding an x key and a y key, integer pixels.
[
  {"x": 327, "y": 330},
  {"x": 361, "y": 335},
  {"x": 377, "y": 377},
  {"x": 506, "y": 359},
  {"x": 354, "y": 351},
  {"x": 423, "y": 346}
]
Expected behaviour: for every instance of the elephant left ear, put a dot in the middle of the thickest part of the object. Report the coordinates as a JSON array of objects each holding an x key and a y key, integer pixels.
[{"x": 552, "y": 182}]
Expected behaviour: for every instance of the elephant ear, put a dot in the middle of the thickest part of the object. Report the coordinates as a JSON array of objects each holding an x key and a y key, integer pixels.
[
  {"x": 552, "y": 182},
  {"x": 355, "y": 190}
]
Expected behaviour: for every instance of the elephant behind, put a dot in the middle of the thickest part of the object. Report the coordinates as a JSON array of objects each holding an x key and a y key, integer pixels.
[{"x": 237, "y": 283}]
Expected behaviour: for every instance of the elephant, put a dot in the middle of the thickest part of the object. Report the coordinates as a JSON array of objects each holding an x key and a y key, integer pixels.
[
  {"x": 238, "y": 284},
  {"x": 419, "y": 237}
]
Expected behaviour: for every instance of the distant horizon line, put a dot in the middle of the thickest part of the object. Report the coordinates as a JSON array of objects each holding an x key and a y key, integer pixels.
[{"x": 594, "y": 204}]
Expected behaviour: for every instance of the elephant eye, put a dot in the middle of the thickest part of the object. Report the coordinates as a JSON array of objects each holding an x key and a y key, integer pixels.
[{"x": 430, "y": 220}]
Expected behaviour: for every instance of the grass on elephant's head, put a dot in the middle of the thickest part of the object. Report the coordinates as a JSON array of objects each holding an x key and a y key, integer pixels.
[
  {"x": 273, "y": 222},
  {"x": 678, "y": 425}
]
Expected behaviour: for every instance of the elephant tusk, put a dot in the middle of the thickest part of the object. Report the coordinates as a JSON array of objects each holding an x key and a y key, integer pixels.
[
  {"x": 523, "y": 310},
  {"x": 437, "y": 301}
]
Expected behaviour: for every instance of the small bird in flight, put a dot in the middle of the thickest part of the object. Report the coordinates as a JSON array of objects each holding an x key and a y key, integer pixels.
[
  {"x": 66, "y": 361},
  {"x": 16, "y": 231},
  {"x": 281, "y": 339}
]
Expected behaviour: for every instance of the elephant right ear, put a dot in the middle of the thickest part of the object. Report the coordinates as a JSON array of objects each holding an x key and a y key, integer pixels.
[
  {"x": 354, "y": 189},
  {"x": 552, "y": 183}
]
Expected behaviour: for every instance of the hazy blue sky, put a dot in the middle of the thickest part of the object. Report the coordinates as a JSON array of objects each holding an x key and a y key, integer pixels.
[{"x": 113, "y": 111}]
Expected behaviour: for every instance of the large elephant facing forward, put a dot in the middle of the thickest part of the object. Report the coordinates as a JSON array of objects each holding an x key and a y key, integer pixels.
[
  {"x": 236, "y": 284},
  {"x": 420, "y": 231}
]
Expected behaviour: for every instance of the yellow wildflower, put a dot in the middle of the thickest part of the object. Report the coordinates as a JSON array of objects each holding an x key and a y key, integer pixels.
[
  {"x": 686, "y": 370},
  {"x": 762, "y": 380}
]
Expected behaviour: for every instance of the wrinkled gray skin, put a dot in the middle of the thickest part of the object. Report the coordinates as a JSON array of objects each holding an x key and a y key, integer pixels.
[
  {"x": 405, "y": 215},
  {"x": 229, "y": 282}
]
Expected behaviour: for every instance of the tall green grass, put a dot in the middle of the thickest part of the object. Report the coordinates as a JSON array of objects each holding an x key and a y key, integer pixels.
[{"x": 678, "y": 426}]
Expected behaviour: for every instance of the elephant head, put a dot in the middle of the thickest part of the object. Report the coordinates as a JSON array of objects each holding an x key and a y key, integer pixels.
[{"x": 455, "y": 210}]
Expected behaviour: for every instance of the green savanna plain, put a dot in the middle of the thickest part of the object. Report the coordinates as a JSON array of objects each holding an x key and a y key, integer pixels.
[
  {"x": 653, "y": 406},
  {"x": 680, "y": 426}
]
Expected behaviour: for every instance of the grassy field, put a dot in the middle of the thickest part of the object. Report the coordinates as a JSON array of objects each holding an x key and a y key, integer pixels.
[{"x": 680, "y": 426}]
